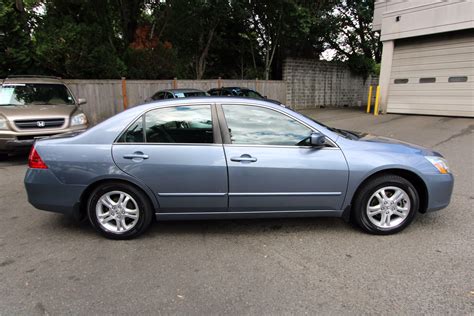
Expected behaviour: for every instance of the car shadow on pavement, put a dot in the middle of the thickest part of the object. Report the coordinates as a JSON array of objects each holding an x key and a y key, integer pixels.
[
  {"x": 246, "y": 226},
  {"x": 15, "y": 160},
  {"x": 65, "y": 225}
]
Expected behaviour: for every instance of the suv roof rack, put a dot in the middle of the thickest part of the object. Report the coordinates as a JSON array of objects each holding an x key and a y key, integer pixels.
[{"x": 33, "y": 76}]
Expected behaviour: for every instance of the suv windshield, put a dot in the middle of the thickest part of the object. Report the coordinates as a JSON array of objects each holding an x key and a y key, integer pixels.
[{"x": 34, "y": 93}]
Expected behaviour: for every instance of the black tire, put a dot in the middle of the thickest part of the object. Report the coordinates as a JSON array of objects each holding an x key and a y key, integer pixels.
[
  {"x": 3, "y": 156},
  {"x": 145, "y": 210},
  {"x": 361, "y": 202}
]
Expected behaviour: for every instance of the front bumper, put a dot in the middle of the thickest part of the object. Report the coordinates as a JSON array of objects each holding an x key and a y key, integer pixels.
[
  {"x": 440, "y": 189},
  {"x": 46, "y": 192},
  {"x": 13, "y": 141}
]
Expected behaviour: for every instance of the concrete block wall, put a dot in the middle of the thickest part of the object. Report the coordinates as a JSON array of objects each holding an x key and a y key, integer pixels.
[{"x": 314, "y": 83}]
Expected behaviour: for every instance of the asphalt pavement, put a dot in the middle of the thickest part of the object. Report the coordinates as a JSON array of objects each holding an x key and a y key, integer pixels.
[{"x": 50, "y": 265}]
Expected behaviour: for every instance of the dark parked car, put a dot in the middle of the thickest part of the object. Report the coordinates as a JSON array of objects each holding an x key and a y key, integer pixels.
[
  {"x": 226, "y": 157},
  {"x": 176, "y": 94},
  {"x": 239, "y": 92}
]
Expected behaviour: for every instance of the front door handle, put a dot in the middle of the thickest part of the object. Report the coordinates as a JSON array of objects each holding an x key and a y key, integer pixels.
[
  {"x": 244, "y": 158},
  {"x": 136, "y": 155}
]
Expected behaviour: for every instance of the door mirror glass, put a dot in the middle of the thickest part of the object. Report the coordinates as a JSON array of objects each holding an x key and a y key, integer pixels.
[{"x": 317, "y": 139}]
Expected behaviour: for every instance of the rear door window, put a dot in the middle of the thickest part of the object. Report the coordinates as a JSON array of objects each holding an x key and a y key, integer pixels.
[{"x": 179, "y": 125}]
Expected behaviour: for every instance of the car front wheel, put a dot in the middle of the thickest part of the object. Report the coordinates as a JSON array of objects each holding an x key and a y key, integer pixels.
[
  {"x": 386, "y": 205},
  {"x": 119, "y": 211}
]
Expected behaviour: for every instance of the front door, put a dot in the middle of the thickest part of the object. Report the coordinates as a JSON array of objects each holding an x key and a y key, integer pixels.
[
  {"x": 273, "y": 168},
  {"x": 176, "y": 151}
]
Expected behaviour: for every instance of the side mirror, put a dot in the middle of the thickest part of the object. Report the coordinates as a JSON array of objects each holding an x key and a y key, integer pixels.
[
  {"x": 265, "y": 97},
  {"x": 317, "y": 139},
  {"x": 81, "y": 101}
]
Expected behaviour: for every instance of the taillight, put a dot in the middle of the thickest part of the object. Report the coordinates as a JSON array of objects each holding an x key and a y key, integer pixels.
[{"x": 35, "y": 161}]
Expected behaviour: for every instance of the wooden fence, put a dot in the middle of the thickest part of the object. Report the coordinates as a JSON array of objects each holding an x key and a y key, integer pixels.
[{"x": 106, "y": 98}]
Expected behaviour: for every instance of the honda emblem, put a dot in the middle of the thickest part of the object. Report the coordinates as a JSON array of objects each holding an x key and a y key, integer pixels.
[{"x": 40, "y": 123}]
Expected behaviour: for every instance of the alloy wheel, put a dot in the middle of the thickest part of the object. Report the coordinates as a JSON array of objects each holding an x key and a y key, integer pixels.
[
  {"x": 388, "y": 207},
  {"x": 117, "y": 212}
]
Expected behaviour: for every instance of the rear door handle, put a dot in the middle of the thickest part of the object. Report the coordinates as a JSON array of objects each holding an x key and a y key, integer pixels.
[
  {"x": 136, "y": 155},
  {"x": 244, "y": 158}
]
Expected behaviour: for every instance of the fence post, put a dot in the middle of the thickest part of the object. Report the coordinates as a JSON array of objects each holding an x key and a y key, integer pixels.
[
  {"x": 369, "y": 100},
  {"x": 175, "y": 83},
  {"x": 124, "y": 93},
  {"x": 256, "y": 84},
  {"x": 219, "y": 82},
  {"x": 377, "y": 99}
]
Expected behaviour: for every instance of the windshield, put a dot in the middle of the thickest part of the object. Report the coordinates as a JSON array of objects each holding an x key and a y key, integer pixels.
[
  {"x": 250, "y": 94},
  {"x": 34, "y": 93},
  {"x": 195, "y": 94}
]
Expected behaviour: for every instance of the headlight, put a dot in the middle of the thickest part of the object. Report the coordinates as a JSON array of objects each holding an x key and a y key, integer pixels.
[
  {"x": 440, "y": 163},
  {"x": 3, "y": 123},
  {"x": 79, "y": 119}
]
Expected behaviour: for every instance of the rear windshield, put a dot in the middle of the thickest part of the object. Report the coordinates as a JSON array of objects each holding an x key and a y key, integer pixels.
[{"x": 34, "y": 93}]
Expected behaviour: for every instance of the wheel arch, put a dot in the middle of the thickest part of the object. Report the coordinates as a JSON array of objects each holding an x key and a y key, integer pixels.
[
  {"x": 92, "y": 186},
  {"x": 409, "y": 175}
]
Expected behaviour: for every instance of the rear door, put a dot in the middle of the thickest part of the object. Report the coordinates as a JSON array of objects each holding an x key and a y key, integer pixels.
[
  {"x": 272, "y": 168},
  {"x": 177, "y": 152}
]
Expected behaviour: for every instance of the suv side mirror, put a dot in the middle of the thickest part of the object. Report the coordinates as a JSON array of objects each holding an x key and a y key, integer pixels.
[
  {"x": 317, "y": 139},
  {"x": 81, "y": 101}
]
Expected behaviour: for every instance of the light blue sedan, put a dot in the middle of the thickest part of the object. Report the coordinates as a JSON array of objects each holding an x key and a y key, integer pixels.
[{"x": 223, "y": 158}]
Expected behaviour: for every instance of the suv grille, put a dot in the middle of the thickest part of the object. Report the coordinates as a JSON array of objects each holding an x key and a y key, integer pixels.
[{"x": 35, "y": 124}]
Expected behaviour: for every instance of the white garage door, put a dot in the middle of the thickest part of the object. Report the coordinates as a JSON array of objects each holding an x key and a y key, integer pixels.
[{"x": 433, "y": 75}]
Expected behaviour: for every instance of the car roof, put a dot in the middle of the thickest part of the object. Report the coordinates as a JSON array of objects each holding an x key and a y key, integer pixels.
[
  {"x": 180, "y": 90},
  {"x": 240, "y": 88},
  {"x": 208, "y": 100},
  {"x": 32, "y": 79}
]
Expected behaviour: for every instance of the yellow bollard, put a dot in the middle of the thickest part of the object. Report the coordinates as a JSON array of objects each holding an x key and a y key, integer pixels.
[
  {"x": 369, "y": 100},
  {"x": 377, "y": 98}
]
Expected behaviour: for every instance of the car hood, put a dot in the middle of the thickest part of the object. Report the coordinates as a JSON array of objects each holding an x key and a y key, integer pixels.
[
  {"x": 392, "y": 144},
  {"x": 18, "y": 112}
]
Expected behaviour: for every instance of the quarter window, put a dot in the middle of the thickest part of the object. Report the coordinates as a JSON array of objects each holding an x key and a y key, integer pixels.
[
  {"x": 181, "y": 124},
  {"x": 255, "y": 125}
]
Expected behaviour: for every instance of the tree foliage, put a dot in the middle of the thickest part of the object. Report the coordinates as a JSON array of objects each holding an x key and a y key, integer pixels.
[{"x": 156, "y": 39}]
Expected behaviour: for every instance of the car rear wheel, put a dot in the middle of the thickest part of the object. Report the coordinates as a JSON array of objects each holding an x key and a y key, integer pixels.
[
  {"x": 3, "y": 156},
  {"x": 385, "y": 205},
  {"x": 119, "y": 211}
]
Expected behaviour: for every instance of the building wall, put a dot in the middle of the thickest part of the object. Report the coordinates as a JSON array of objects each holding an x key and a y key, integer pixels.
[
  {"x": 401, "y": 19},
  {"x": 314, "y": 83}
]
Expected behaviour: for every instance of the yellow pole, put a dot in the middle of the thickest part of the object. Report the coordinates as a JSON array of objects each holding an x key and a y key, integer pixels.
[
  {"x": 369, "y": 100},
  {"x": 377, "y": 99}
]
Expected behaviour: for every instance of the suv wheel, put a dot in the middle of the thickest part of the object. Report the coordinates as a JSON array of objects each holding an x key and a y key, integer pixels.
[
  {"x": 386, "y": 205},
  {"x": 119, "y": 211}
]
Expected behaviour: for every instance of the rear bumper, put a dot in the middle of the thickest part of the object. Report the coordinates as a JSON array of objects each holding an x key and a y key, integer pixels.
[
  {"x": 440, "y": 189},
  {"x": 46, "y": 192}
]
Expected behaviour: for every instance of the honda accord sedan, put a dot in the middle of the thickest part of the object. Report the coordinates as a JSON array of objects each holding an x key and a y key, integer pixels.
[{"x": 226, "y": 157}]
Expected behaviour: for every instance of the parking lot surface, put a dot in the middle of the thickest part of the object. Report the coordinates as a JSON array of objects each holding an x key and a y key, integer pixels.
[{"x": 50, "y": 265}]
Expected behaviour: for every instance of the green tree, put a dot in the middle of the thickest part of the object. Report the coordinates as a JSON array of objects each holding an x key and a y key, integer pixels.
[
  {"x": 75, "y": 39},
  {"x": 15, "y": 41},
  {"x": 348, "y": 30}
]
